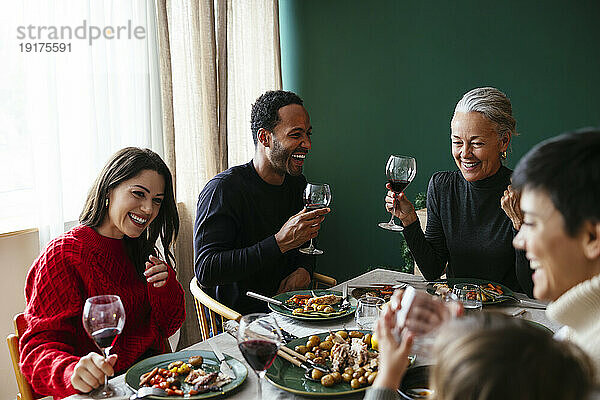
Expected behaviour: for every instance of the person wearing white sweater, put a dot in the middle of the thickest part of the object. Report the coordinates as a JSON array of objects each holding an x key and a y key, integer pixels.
[{"x": 559, "y": 180}]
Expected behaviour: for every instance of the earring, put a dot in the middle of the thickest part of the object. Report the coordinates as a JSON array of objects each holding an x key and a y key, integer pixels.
[
  {"x": 502, "y": 155},
  {"x": 106, "y": 202}
]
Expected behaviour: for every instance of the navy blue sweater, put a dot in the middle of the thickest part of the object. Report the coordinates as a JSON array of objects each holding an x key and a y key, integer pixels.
[{"x": 235, "y": 250}]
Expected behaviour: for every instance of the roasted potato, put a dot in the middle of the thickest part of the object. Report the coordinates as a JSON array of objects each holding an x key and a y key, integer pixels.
[
  {"x": 337, "y": 377},
  {"x": 346, "y": 377},
  {"x": 343, "y": 334},
  {"x": 354, "y": 384},
  {"x": 301, "y": 349},
  {"x": 327, "y": 380},
  {"x": 327, "y": 345},
  {"x": 196, "y": 361},
  {"x": 316, "y": 374},
  {"x": 356, "y": 334}
]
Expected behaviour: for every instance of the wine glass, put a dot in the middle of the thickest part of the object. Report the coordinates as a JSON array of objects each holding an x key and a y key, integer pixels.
[
  {"x": 400, "y": 171},
  {"x": 316, "y": 195},
  {"x": 103, "y": 320},
  {"x": 259, "y": 337},
  {"x": 469, "y": 295}
]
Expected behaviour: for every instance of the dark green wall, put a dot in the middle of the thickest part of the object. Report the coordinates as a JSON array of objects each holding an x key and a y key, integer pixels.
[{"x": 381, "y": 77}]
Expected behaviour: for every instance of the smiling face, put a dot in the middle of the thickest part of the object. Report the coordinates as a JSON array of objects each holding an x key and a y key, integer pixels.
[
  {"x": 132, "y": 205},
  {"x": 290, "y": 140},
  {"x": 476, "y": 145},
  {"x": 557, "y": 259}
]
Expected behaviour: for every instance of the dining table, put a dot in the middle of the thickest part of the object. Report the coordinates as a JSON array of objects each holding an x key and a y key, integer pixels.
[{"x": 228, "y": 345}]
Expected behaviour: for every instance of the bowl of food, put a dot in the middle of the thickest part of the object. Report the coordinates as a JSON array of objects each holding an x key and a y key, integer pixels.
[{"x": 415, "y": 384}]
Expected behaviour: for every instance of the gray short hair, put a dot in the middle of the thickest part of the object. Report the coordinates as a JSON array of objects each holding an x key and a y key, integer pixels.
[{"x": 493, "y": 104}]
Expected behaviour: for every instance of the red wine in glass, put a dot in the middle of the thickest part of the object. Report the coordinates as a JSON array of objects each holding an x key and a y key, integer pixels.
[
  {"x": 260, "y": 354},
  {"x": 259, "y": 338},
  {"x": 103, "y": 319},
  {"x": 400, "y": 171},
  {"x": 105, "y": 338},
  {"x": 398, "y": 185}
]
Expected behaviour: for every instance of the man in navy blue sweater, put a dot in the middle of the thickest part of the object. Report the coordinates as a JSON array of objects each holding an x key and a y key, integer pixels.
[{"x": 250, "y": 219}]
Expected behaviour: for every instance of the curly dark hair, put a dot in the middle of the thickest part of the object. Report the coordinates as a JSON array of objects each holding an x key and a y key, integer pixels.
[{"x": 265, "y": 111}]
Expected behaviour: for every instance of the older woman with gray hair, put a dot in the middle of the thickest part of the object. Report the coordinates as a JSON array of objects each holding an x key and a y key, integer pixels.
[{"x": 472, "y": 213}]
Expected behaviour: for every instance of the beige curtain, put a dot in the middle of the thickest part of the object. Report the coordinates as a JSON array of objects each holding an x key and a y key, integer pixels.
[{"x": 216, "y": 58}]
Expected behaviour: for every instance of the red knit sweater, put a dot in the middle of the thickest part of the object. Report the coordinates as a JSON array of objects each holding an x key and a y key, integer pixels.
[{"x": 77, "y": 265}]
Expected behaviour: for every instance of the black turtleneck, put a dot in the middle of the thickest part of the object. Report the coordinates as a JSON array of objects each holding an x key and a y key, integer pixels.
[{"x": 468, "y": 230}]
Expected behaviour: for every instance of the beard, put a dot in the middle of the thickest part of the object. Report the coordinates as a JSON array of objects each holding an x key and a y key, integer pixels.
[{"x": 280, "y": 159}]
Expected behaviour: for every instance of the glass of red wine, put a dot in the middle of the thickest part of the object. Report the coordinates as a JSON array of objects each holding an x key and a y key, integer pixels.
[
  {"x": 316, "y": 195},
  {"x": 259, "y": 337},
  {"x": 103, "y": 320},
  {"x": 400, "y": 171}
]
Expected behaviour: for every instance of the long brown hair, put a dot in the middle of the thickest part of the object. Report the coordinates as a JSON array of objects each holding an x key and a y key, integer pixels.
[
  {"x": 491, "y": 357},
  {"x": 123, "y": 165}
]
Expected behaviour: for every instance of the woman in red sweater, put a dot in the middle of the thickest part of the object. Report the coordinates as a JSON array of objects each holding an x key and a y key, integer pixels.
[{"x": 130, "y": 206}]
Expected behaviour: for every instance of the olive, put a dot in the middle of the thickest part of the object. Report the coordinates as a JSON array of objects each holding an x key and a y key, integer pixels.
[
  {"x": 326, "y": 345},
  {"x": 349, "y": 370},
  {"x": 354, "y": 384},
  {"x": 343, "y": 334},
  {"x": 362, "y": 380},
  {"x": 346, "y": 377},
  {"x": 316, "y": 374},
  {"x": 319, "y": 360},
  {"x": 328, "y": 309},
  {"x": 327, "y": 380},
  {"x": 367, "y": 339},
  {"x": 310, "y": 355},
  {"x": 337, "y": 377},
  {"x": 371, "y": 378},
  {"x": 315, "y": 338},
  {"x": 356, "y": 334}
]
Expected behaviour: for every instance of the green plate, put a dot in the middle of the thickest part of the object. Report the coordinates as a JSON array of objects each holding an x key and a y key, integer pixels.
[
  {"x": 285, "y": 296},
  {"x": 210, "y": 364},
  {"x": 454, "y": 281},
  {"x": 288, "y": 377}
]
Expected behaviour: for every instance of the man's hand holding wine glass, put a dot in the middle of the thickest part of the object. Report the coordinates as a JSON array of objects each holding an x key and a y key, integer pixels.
[{"x": 300, "y": 228}]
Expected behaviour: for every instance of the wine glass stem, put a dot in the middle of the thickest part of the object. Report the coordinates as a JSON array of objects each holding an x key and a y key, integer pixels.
[
  {"x": 392, "y": 223},
  {"x": 310, "y": 246},
  {"x": 106, "y": 354},
  {"x": 260, "y": 379}
]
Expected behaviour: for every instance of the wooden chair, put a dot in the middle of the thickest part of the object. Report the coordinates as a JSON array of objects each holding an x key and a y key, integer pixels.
[
  {"x": 208, "y": 324},
  {"x": 25, "y": 390},
  {"x": 322, "y": 281}
]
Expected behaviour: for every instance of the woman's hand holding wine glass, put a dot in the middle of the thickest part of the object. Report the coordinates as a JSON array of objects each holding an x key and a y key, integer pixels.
[
  {"x": 400, "y": 171},
  {"x": 103, "y": 319}
]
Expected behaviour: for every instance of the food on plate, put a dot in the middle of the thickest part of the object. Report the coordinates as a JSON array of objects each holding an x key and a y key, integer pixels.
[
  {"x": 442, "y": 289},
  {"x": 348, "y": 356},
  {"x": 328, "y": 299},
  {"x": 315, "y": 306},
  {"x": 197, "y": 379}
]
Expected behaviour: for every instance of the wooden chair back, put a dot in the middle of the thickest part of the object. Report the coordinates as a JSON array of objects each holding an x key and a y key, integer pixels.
[
  {"x": 321, "y": 281},
  {"x": 215, "y": 310},
  {"x": 25, "y": 390}
]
